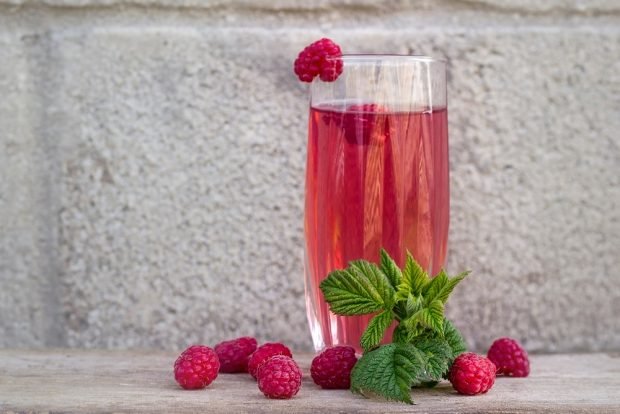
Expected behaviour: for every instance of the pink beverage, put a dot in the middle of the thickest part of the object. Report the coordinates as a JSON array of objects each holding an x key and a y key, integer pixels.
[{"x": 374, "y": 179}]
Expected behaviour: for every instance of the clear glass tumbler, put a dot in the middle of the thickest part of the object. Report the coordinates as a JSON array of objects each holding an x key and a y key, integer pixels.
[{"x": 377, "y": 176}]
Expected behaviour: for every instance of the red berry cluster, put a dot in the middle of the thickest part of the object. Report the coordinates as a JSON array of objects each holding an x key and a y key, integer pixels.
[
  {"x": 322, "y": 59},
  {"x": 271, "y": 364},
  {"x": 473, "y": 374},
  {"x": 278, "y": 375},
  {"x": 265, "y": 352}
]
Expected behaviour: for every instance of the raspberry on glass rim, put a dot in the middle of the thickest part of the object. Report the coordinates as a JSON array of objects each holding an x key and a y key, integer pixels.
[{"x": 319, "y": 59}]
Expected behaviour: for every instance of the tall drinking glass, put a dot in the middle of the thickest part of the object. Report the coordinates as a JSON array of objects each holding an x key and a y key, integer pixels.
[{"x": 376, "y": 176}]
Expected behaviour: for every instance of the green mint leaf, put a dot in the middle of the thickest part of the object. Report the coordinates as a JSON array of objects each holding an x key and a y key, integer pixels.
[
  {"x": 401, "y": 335},
  {"x": 430, "y": 317},
  {"x": 359, "y": 289},
  {"x": 414, "y": 279},
  {"x": 414, "y": 304},
  {"x": 388, "y": 266},
  {"x": 389, "y": 371},
  {"x": 375, "y": 330},
  {"x": 433, "y": 290},
  {"x": 454, "y": 340},
  {"x": 437, "y": 354},
  {"x": 441, "y": 286},
  {"x": 400, "y": 311}
]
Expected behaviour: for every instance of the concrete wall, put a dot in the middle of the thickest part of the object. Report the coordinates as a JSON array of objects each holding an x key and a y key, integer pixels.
[{"x": 152, "y": 156}]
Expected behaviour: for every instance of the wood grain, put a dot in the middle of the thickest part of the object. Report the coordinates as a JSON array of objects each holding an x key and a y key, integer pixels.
[{"x": 80, "y": 381}]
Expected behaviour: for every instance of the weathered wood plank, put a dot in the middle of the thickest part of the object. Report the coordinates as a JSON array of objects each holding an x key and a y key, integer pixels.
[{"x": 79, "y": 381}]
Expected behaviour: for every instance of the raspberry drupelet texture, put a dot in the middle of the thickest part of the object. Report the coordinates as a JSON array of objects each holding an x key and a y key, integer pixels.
[
  {"x": 234, "y": 354},
  {"x": 321, "y": 58},
  {"x": 196, "y": 367},
  {"x": 331, "y": 369},
  {"x": 279, "y": 377},
  {"x": 263, "y": 353},
  {"x": 472, "y": 374},
  {"x": 509, "y": 357}
]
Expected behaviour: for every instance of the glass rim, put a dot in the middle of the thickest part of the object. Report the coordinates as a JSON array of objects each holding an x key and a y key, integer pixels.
[{"x": 361, "y": 57}]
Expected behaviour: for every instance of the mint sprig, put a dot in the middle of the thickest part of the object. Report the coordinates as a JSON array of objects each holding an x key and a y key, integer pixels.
[
  {"x": 437, "y": 354},
  {"x": 454, "y": 339},
  {"x": 360, "y": 289},
  {"x": 388, "y": 371},
  {"x": 424, "y": 344},
  {"x": 375, "y": 331}
]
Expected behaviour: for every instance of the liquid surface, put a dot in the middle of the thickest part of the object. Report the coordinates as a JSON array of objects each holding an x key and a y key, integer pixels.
[{"x": 374, "y": 179}]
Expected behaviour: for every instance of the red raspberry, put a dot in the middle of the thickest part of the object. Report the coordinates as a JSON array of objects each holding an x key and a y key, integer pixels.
[
  {"x": 234, "y": 354},
  {"x": 196, "y": 367},
  {"x": 509, "y": 357},
  {"x": 319, "y": 59},
  {"x": 331, "y": 369},
  {"x": 263, "y": 353},
  {"x": 279, "y": 377},
  {"x": 472, "y": 374}
]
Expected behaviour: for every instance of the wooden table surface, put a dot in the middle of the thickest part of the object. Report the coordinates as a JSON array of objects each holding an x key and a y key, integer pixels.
[{"x": 83, "y": 381}]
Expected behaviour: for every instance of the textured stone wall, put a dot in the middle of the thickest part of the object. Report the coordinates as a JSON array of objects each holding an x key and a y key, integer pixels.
[{"x": 152, "y": 156}]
